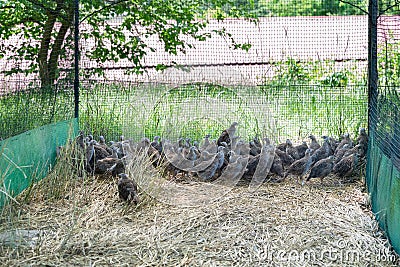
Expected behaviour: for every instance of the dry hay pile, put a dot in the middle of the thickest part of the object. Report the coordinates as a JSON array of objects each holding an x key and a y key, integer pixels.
[{"x": 276, "y": 225}]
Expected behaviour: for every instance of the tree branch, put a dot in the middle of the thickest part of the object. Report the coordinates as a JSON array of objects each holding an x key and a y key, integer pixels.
[
  {"x": 396, "y": 2},
  {"x": 30, "y": 19},
  {"x": 7, "y": 7},
  {"x": 353, "y": 5},
  {"x": 36, "y": 3},
  {"x": 101, "y": 9}
]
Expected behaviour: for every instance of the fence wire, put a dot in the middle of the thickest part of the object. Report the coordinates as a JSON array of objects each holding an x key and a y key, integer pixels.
[
  {"x": 29, "y": 107},
  {"x": 338, "y": 42},
  {"x": 383, "y": 165},
  {"x": 197, "y": 109},
  {"x": 303, "y": 65}
]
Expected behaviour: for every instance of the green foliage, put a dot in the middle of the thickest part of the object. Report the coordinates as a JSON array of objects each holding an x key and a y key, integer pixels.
[
  {"x": 309, "y": 7},
  {"x": 195, "y": 110},
  {"x": 292, "y": 72},
  {"x": 220, "y": 10},
  {"x": 389, "y": 62},
  {"x": 316, "y": 7},
  {"x": 44, "y": 30},
  {"x": 389, "y": 7},
  {"x": 337, "y": 79}
]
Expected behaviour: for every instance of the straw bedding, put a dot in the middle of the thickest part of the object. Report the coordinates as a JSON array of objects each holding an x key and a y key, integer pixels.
[{"x": 279, "y": 224}]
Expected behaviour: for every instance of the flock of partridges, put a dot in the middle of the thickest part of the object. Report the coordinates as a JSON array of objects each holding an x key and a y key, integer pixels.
[{"x": 228, "y": 156}]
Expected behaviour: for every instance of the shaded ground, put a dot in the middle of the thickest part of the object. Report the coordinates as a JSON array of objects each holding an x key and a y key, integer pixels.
[{"x": 277, "y": 225}]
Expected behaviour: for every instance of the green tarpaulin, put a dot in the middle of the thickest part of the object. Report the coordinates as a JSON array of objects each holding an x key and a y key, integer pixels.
[
  {"x": 28, "y": 157},
  {"x": 383, "y": 180}
]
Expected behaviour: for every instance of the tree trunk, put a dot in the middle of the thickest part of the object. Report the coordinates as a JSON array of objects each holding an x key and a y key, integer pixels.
[
  {"x": 49, "y": 53},
  {"x": 44, "y": 50},
  {"x": 57, "y": 47}
]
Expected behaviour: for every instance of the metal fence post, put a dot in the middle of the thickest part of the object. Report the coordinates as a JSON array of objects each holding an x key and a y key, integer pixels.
[
  {"x": 372, "y": 61},
  {"x": 76, "y": 60}
]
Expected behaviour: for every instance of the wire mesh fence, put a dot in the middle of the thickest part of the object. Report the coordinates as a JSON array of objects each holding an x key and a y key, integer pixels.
[
  {"x": 337, "y": 43},
  {"x": 303, "y": 60},
  {"x": 28, "y": 107},
  {"x": 386, "y": 121},
  {"x": 384, "y": 108},
  {"x": 383, "y": 167},
  {"x": 197, "y": 109},
  {"x": 300, "y": 75}
]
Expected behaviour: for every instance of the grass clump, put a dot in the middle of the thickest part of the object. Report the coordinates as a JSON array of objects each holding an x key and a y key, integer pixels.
[{"x": 195, "y": 110}]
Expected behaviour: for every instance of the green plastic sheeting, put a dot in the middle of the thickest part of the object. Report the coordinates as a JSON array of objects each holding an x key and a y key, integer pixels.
[
  {"x": 383, "y": 181},
  {"x": 28, "y": 157}
]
